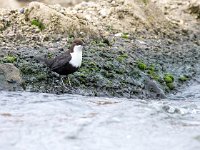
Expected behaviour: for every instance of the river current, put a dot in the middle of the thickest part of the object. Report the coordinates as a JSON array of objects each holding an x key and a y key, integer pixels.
[{"x": 33, "y": 121}]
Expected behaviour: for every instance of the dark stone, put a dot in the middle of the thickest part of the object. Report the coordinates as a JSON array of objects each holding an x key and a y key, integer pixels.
[{"x": 10, "y": 77}]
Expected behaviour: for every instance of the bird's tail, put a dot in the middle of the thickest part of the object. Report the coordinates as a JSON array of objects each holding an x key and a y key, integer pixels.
[
  {"x": 47, "y": 62},
  {"x": 40, "y": 59}
]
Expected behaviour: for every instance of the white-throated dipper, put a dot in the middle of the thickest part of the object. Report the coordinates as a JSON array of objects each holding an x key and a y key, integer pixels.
[{"x": 68, "y": 62}]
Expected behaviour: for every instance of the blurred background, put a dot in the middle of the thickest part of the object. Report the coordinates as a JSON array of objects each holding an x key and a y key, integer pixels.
[{"x": 20, "y": 3}]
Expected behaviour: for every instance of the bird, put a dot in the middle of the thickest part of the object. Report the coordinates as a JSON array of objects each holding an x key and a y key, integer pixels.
[{"x": 68, "y": 62}]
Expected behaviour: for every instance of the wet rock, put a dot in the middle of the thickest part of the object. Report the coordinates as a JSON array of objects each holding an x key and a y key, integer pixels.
[
  {"x": 110, "y": 67},
  {"x": 154, "y": 91},
  {"x": 10, "y": 77}
]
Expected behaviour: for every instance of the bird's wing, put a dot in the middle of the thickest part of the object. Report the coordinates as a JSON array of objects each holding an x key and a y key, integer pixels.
[{"x": 61, "y": 60}]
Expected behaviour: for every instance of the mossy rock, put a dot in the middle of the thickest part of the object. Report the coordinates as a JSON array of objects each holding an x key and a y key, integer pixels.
[
  {"x": 92, "y": 66},
  {"x": 135, "y": 73},
  {"x": 107, "y": 74},
  {"x": 183, "y": 78},
  {"x": 168, "y": 78},
  {"x": 27, "y": 69},
  {"x": 142, "y": 66},
  {"x": 101, "y": 44},
  {"x": 108, "y": 66},
  {"x": 125, "y": 35},
  {"x": 41, "y": 77},
  {"x": 145, "y": 1},
  {"x": 50, "y": 55},
  {"x": 170, "y": 86},
  {"x": 37, "y": 23},
  {"x": 9, "y": 59},
  {"x": 151, "y": 68},
  {"x": 122, "y": 57},
  {"x": 153, "y": 75}
]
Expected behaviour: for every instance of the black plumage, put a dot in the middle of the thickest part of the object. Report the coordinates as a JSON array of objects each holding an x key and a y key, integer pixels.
[{"x": 60, "y": 64}]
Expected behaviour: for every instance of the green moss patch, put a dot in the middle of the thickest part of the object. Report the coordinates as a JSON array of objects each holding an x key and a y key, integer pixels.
[
  {"x": 125, "y": 35},
  {"x": 168, "y": 78},
  {"x": 170, "y": 86},
  {"x": 142, "y": 66},
  {"x": 37, "y": 23},
  {"x": 145, "y": 1},
  {"x": 28, "y": 69},
  {"x": 9, "y": 59},
  {"x": 122, "y": 57},
  {"x": 183, "y": 78},
  {"x": 49, "y": 55},
  {"x": 41, "y": 76}
]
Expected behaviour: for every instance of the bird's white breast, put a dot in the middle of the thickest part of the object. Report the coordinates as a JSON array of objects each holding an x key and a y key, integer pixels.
[{"x": 76, "y": 56}]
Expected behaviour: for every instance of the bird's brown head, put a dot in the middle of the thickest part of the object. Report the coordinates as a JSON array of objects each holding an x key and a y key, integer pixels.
[{"x": 78, "y": 43}]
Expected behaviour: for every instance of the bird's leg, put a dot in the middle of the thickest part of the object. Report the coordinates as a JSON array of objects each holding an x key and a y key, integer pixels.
[
  {"x": 61, "y": 78},
  {"x": 69, "y": 81},
  {"x": 63, "y": 84}
]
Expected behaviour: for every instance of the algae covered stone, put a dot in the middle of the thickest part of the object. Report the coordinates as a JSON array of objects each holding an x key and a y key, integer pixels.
[
  {"x": 38, "y": 23},
  {"x": 10, "y": 77},
  {"x": 9, "y": 59},
  {"x": 183, "y": 78},
  {"x": 142, "y": 66},
  {"x": 168, "y": 78}
]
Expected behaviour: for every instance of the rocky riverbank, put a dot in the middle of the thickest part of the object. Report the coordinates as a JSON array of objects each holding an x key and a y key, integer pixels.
[{"x": 132, "y": 49}]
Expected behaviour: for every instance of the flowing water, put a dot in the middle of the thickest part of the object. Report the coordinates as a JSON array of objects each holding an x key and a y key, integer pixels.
[{"x": 32, "y": 121}]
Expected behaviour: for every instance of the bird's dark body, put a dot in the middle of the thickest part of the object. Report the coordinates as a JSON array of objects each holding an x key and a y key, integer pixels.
[
  {"x": 66, "y": 69},
  {"x": 61, "y": 65}
]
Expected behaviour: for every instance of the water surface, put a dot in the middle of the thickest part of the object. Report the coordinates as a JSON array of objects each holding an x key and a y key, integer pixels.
[{"x": 32, "y": 121}]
